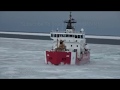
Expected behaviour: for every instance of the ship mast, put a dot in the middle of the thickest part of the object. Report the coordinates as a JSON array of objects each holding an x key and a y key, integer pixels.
[{"x": 69, "y": 22}]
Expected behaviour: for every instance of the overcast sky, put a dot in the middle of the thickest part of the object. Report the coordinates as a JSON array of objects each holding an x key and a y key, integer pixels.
[{"x": 93, "y": 22}]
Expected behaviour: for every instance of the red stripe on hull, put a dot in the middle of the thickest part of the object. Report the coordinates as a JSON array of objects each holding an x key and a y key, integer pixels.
[{"x": 56, "y": 58}]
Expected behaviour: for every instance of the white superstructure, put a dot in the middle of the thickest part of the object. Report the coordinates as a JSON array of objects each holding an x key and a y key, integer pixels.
[{"x": 73, "y": 41}]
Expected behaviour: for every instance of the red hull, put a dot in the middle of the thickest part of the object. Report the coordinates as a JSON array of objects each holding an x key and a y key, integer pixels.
[
  {"x": 58, "y": 58},
  {"x": 84, "y": 59}
]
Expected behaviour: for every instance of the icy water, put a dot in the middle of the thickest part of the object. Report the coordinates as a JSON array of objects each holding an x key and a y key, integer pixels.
[{"x": 24, "y": 59}]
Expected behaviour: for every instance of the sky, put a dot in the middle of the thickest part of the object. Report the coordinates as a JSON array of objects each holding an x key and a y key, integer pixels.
[{"x": 93, "y": 22}]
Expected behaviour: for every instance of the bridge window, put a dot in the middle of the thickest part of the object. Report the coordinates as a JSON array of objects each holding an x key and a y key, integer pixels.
[
  {"x": 71, "y": 35},
  {"x": 78, "y": 36},
  {"x": 66, "y": 35},
  {"x": 71, "y": 45},
  {"x": 75, "y": 36},
  {"x": 81, "y": 36},
  {"x": 51, "y": 35},
  {"x": 54, "y": 35},
  {"x": 60, "y": 35},
  {"x": 77, "y": 45},
  {"x": 57, "y": 35}
]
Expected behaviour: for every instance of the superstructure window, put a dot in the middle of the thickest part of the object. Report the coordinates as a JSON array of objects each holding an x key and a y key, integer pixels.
[
  {"x": 71, "y": 45},
  {"x": 77, "y": 45}
]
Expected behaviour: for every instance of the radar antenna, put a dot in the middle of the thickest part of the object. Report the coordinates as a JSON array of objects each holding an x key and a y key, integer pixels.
[{"x": 69, "y": 22}]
